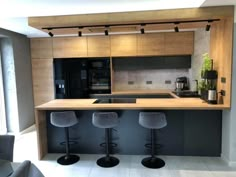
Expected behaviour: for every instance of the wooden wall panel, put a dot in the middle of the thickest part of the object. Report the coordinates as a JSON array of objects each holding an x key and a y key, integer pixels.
[
  {"x": 41, "y": 48},
  {"x": 65, "y": 47},
  {"x": 123, "y": 45},
  {"x": 43, "y": 84},
  {"x": 150, "y": 44},
  {"x": 221, "y": 50},
  {"x": 98, "y": 46},
  {"x": 180, "y": 43}
]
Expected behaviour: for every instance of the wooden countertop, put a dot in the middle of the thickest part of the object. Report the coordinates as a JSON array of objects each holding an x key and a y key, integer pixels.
[{"x": 141, "y": 103}]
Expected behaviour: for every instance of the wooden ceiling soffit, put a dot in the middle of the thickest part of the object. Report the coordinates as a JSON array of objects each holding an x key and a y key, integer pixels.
[{"x": 203, "y": 13}]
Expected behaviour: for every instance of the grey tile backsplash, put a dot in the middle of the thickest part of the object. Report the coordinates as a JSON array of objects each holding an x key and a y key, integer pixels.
[{"x": 148, "y": 79}]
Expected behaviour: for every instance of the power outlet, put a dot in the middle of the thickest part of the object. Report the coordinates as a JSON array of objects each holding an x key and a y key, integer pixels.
[
  {"x": 222, "y": 92},
  {"x": 167, "y": 81},
  {"x": 148, "y": 82},
  {"x": 130, "y": 82},
  {"x": 223, "y": 80}
]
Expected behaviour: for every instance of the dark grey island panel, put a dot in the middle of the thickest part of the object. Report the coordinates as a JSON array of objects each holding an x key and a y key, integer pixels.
[{"x": 188, "y": 132}]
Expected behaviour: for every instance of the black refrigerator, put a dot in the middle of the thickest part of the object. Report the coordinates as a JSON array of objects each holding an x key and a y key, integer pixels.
[{"x": 70, "y": 78}]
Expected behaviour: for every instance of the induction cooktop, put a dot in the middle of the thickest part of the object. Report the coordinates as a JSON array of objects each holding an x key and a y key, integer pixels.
[{"x": 115, "y": 100}]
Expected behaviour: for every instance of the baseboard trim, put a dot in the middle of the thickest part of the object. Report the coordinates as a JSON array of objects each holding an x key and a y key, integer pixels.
[
  {"x": 228, "y": 162},
  {"x": 27, "y": 130}
]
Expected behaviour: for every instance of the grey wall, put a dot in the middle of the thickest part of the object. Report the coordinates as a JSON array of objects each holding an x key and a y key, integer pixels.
[
  {"x": 229, "y": 118},
  {"x": 9, "y": 82},
  {"x": 201, "y": 46},
  {"x": 23, "y": 78}
]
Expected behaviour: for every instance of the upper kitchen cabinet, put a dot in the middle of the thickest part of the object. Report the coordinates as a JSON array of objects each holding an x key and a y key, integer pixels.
[
  {"x": 65, "y": 47},
  {"x": 180, "y": 43},
  {"x": 123, "y": 45},
  {"x": 98, "y": 46},
  {"x": 150, "y": 44},
  {"x": 41, "y": 48}
]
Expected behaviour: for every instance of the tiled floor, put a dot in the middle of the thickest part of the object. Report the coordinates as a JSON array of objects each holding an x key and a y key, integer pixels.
[{"x": 176, "y": 166}]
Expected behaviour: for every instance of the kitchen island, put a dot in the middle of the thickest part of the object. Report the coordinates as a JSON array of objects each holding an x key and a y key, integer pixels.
[{"x": 194, "y": 127}]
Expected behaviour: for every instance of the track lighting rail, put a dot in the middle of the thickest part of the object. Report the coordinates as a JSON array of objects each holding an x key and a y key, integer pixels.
[{"x": 106, "y": 26}]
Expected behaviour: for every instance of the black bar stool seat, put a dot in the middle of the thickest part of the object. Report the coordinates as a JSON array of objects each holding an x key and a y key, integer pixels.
[
  {"x": 65, "y": 120},
  {"x": 153, "y": 121},
  {"x": 106, "y": 120}
]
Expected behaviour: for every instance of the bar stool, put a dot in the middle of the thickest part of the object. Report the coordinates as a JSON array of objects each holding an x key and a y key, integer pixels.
[
  {"x": 65, "y": 120},
  {"x": 106, "y": 120},
  {"x": 153, "y": 121}
]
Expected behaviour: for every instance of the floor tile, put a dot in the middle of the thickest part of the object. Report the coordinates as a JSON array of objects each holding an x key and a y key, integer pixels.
[{"x": 129, "y": 166}]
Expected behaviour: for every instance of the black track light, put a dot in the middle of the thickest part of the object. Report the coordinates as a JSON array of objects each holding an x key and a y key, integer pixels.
[
  {"x": 80, "y": 33},
  {"x": 142, "y": 29},
  {"x": 106, "y": 30},
  {"x": 176, "y": 27},
  {"x": 208, "y": 26},
  {"x": 50, "y": 34}
]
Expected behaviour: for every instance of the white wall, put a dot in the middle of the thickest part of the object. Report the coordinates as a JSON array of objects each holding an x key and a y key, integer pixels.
[{"x": 201, "y": 46}]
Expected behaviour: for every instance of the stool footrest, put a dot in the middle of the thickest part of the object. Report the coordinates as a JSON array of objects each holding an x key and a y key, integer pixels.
[
  {"x": 157, "y": 146},
  {"x": 110, "y": 144}
]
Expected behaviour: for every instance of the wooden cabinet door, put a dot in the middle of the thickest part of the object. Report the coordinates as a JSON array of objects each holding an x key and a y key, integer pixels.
[
  {"x": 98, "y": 46},
  {"x": 180, "y": 43},
  {"x": 42, "y": 74},
  {"x": 150, "y": 44},
  {"x": 66, "y": 47},
  {"x": 123, "y": 45},
  {"x": 41, "y": 48}
]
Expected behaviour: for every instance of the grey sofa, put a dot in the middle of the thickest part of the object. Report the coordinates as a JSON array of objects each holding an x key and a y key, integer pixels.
[
  {"x": 7, "y": 147},
  {"x": 27, "y": 169}
]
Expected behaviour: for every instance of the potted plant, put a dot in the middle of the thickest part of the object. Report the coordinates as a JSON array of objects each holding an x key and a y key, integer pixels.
[
  {"x": 203, "y": 86},
  {"x": 206, "y": 66}
]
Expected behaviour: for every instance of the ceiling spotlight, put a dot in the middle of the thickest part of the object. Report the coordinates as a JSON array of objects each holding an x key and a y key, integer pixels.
[
  {"x": 142, "y": 29},
  {"x": 50, "y": 33},
  {"x": 208, "y": 26},
  {"x": 80, "y": 33},
  {"x": 176, "y": 27},
  {"x": 106, "y": 30}
]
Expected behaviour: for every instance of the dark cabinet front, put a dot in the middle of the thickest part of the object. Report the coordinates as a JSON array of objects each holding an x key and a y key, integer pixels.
[
  {"x": 71, "y": 78},
  {"x": 80, "y": 77}
]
